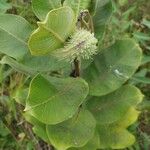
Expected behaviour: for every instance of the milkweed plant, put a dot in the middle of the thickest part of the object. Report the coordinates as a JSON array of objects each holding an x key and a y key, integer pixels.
[{"x": 78, "y": 97}]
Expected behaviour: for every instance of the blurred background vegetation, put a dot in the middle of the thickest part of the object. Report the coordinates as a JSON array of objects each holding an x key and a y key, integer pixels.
[{"x": 131, "y": 18}]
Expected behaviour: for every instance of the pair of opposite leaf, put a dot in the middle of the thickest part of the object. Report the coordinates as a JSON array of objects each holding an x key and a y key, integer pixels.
[
  {"x": 52, "y": 35},
  {"x": 58, "y": 36},
  {"x": 58, "y": 97}
]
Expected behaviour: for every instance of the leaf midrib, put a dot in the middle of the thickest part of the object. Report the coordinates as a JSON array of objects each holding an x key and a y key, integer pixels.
[
  {"x": 9, "y": 33},
  {"x": 49, "y": 99},
  {"x": 56, "y": 35}
]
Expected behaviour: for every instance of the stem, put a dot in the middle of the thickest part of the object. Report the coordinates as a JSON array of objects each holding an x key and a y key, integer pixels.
[
  {"x": 91, "y": 23},
  {"x": 76, "y": 72},
  {"x": 77, "y": 67},
  {"x": 85, "y": 21}
]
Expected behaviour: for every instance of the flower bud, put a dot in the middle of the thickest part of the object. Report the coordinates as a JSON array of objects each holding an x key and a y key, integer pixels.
[{"x": 82, "y": 44}]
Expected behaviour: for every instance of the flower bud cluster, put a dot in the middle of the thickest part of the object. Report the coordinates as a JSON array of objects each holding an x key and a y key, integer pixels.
[{"x": 82, "y": 44}]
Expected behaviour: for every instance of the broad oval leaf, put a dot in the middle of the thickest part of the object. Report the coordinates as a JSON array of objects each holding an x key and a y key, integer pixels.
[
  {"x": 113, "y": 67},
  {"x": 77, "y": 5},
  {"x": 93, "y": 144},
  {"x": 4, "y": 6},
  {"x": 53, "y": 32},
  {"x": 52, "y": 100},
  {"x": 112, "y": 107},
  {"x": 75, "y": 132},
  {"x": 14, "y": 34},
  {"x": 32, "y": 65},
  {"x": 41, "y": 8},
  {"x": 20, "y": 95},
  {"x": 114, "y": 138},
  {"x": 38, "y": 128},
  {"x": 128, "y": 119},
  {"x": 102, "y": 13},
  {"x": 115, "y": 135},
  {"x": 95, "y": 4}
]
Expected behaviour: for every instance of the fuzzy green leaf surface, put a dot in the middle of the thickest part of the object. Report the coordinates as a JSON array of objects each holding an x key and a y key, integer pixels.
[
  {"x": 77, "y": 5},
  {"x": 102, "y": 13},
  {"x": 113, "y": 67},
  {"x": 14, "y": 34},
  {"x": 38, "y": 128},
  {"x": 41, "y": 8},
  {"x": 112, "y": 107},
  {"x": 4, "y": 6},
  {"x": 115, "y": 135},
  {"x": 93, "y": 144},
  {"x": 52, "y": 100},
  {"x": 53, "y": 32},
  {"x": 115, "y": 138},
  {"x": 20, "y": 95},
  {"x": 75, "y": 132},
  {"x": 31, "y": 65},
  {"x": 97, "y": 3}
]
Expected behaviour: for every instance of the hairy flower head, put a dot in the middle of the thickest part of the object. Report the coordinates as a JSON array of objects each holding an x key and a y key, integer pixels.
[{"x": 82, "y": 44}]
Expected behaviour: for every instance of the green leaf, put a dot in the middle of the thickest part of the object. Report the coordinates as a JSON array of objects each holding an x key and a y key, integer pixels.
[
  {"x": 3, "y": 130},
  {"x": 45, "y": 63},
  {"x": 16, "y": 65},
  {"x": 123, "y": 2},
  {"x": 98, "y": 3},
  {"x": 93, "y": 6},
  {"x": 93, "y": 144},
  {"x": 20, "y": 95},
  {"x": 112, "y": 107},
  {"x": 41, "y": 8},
  {"x": 146, "y": 23},
  {"x": 144, "y": 80},
  {"x": 38, "y": 128},
  {"x": 53, "y": 32},
  {"x": 77, "y": 5},
  {"x": 4, "y": 6},
  {"x": 140, "y": 36},
  {"x": 145, "y": 105},
  {"x": 113, "y": 67},
  {"x": 103, "y": 11},
  {"x": 52, "y": 100},
  {"x": 75, "y": 132},
  {"x": 115, "y": 135},
  {"x": 14, "y": 33},
  {"x": 115, "y": 138},
  {"x": 128, "y": 119},
  {"x": 31, "y": 65},
  {"x": 145, "y": 59}
]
